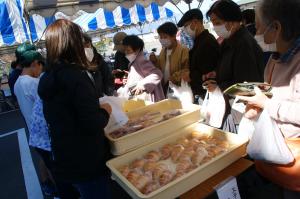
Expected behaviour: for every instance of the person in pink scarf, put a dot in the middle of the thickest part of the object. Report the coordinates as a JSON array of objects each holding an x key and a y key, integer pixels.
[{"x": 144, "y": 79}]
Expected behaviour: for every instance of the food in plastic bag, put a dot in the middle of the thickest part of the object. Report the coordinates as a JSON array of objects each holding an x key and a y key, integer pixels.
[{"x": 267, "y": 142}]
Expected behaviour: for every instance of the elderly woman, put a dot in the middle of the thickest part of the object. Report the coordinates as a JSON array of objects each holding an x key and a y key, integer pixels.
[
  {"x": 280, "y": 23},
  {"x": 144, "y": 79}
]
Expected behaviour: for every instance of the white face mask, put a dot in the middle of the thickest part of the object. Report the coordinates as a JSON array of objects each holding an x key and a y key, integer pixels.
[
  {"x": 165, "y": 43},
  {"x": 265, "y": 47},
  {"x": 222, "y": 31},
  {"x": 131, "y": 57},
  {"x": 272, "y": 46},
  {"x": 89, "y": 53},
  {"x": 190, "y": 32}
]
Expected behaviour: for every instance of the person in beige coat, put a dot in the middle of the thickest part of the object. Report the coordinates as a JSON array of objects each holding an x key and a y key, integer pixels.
[{"x": 173, "y": 59}]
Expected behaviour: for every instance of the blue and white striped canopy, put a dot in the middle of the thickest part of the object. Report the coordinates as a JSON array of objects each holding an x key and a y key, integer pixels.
[
  {"x": 12, "y": 24},
  {"x": 13, "y": 28}
]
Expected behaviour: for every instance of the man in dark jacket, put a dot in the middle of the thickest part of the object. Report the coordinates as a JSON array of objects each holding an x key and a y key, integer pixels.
[{"x": 205, "y": 54}]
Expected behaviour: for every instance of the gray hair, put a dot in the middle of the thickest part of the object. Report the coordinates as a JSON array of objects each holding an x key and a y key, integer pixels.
[{"x": 287, "y": 12}]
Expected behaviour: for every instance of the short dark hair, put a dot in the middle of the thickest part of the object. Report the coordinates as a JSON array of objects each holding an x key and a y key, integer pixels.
[
  {"x": 249, "y": 16},
  {"x": 14, "y": 64},
  {"x": 226, "y": 10},
  {"x": 168, "y": 28},
  {"x": 286, "y": 12},
  {"x": 134, "y": 42}
]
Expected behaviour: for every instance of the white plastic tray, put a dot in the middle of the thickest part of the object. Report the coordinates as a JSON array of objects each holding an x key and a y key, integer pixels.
[
  {"x": 183, "y": 184},
  {"x": 156, "y": 132}
]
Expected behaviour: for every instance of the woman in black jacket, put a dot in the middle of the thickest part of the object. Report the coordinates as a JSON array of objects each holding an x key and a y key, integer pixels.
[
  {"x": 75, "y": 118},
  {"x": 241, "y": 57},
  {"x": 98, "y": 69}
]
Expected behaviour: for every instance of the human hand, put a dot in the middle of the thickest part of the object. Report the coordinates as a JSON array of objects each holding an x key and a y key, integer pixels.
[
  {"x": 252, "y": 112},
  {"x": 106, "y": 107},
  {"x": 186, "y": 76},
  {"x": 210, "y": 85},
  {"x": 124, "y": 81},
  {"x": 258, "y": 100},
  {"x": 210, "y": 75},
  {"x": 137, "y": 91}
]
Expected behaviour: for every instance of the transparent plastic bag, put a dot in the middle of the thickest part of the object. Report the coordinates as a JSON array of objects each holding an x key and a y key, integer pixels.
[
  {"x": 118, "y": 117},
  {"x": 213, "y": 108}
]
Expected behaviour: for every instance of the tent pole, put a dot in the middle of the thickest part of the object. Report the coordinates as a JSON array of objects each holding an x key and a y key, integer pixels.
[
  {"x": 200, "y": 3},
  {"x": 176, "y": 6},
  {"x": 26, "y": 16}
]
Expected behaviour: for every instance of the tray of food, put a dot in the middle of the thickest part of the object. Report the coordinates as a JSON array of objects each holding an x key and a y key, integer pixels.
[
  {"x": 151, "y": 123},
  {"x": 172, "y": 166}
]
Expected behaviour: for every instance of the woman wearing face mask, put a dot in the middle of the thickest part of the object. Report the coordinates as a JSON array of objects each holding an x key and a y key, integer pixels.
[
  {"x": 280, "y": 22},
  {"x": 173, "y": 59},
  {"x": 144, "y": 78},
  {"x": 98, "y": 70},
  {"x": 268, "y": 49},
  {"x": 241, "y": 57},
  {"x": 74, "y": 116}
]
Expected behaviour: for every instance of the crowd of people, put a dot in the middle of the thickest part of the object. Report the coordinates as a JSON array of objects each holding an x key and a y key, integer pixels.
[{"x": 59, "y": 94}]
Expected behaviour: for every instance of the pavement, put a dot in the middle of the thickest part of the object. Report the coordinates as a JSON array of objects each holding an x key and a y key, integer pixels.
[{"x": 18, "y": 162}]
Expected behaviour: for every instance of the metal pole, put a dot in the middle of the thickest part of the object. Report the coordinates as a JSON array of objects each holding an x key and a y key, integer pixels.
[
  {"x": 200, "y": 3},
  {"x": 26, "y": 16},
  {"x": 176, "y": 6}
]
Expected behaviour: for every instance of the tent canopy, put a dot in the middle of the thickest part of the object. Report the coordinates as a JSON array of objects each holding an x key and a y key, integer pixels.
[
  {"x": 71, "y": 7},
  {"x": 104, "y": 19},
  {"x": 14, "y": 30}
]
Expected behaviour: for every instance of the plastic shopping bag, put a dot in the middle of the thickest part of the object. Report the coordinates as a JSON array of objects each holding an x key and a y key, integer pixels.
[
  {"x": 246, "y": 128},
  {"x": 267, "y": 142},
  {"x": 183, "y": 93},
  {"x": 118, "y": 118},
  {"x": 213, "y": 108}
]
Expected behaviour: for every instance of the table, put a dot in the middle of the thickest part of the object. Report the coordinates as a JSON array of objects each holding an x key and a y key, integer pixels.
[{"x": 207, "y": 187}]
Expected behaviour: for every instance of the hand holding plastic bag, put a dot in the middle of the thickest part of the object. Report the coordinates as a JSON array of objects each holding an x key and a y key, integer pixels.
[
  {"x": 183, "y": 93},
  {"x": 267, "y": 142},
  {"x": 213, "y": 108},
  {"x": 117, "y": 118}
]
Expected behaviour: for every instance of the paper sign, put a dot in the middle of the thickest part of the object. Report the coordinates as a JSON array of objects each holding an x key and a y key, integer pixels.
[{"x": 228, "y": 189}]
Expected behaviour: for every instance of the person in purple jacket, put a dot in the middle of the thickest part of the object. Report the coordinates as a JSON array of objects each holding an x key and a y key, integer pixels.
[{"x": 144, "y": 79}]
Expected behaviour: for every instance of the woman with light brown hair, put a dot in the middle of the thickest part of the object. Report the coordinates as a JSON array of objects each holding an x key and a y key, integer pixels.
[{"x": 74, "y": 117}]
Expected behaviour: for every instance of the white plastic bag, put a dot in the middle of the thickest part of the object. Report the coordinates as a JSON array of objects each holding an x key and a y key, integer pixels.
[
  {"x": 267, "y": 142},
  {"x": 117, "y": 118},
  {"x": 183, "y": 93},
  {"x": 246, "y": 128},
  {"x": 213, "y": 108}
]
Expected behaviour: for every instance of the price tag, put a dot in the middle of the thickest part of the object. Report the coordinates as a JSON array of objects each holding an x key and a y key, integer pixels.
[{"x": 228, "y": 189}]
